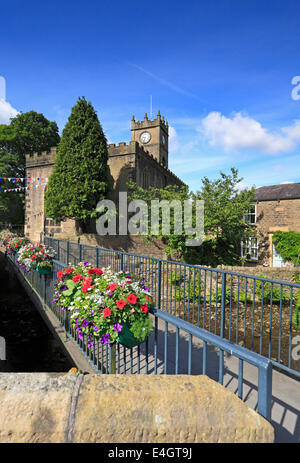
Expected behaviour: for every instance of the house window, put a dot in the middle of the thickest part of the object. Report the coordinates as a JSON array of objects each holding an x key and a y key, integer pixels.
[
  {"x": 249, "y": 248},
  {"x": 250, "y": 217}
]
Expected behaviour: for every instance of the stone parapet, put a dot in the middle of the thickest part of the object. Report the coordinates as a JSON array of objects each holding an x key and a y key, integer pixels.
[
  {"x": 50, "y": 408},
  {"x": 41, "y": 159}
]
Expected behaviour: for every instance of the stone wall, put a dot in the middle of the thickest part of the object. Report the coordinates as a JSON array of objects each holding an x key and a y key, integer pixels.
[
  {"x": 37, "y": 166},
  {"x": 134, "y": 244},
  {"x": 55, "y": 408},
  {"x": 281, "y": 215},
  {"x": 274, "y": 273}
]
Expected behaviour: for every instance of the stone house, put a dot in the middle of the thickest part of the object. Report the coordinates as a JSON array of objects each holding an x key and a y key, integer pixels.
[
  {"x": 275, "y": 207},
  {"x": 144, "y": 160}
]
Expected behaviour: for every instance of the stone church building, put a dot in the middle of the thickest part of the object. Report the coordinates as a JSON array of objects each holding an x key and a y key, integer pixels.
[{"x": 144, "y": 160}]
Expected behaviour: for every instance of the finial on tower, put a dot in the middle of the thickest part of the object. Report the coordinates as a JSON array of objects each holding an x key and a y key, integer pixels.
[
  {"x": 158, "y": 115},
  {"x": 146, "y": 117},
  {"x": 133, "y": 120}
]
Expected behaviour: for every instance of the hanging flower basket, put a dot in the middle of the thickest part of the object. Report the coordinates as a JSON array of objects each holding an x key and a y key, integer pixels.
[
  {"x": 127, "y": 338},
  {"x": 35, "y": 257},
  {"x": 104, "y": 306},
  {"x": 44, "y": 270}
]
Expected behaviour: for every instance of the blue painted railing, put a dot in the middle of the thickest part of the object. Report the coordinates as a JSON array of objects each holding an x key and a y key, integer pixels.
[
  {"x": 175, "y": 346},
  {"x": 251, "y": 311}
]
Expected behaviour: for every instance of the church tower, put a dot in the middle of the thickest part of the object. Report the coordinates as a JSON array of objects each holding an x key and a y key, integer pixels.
[{"x": 153, "y": 136}]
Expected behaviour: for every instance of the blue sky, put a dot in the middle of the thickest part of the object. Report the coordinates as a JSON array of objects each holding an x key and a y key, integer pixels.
[{"x": 220, "y": 71}]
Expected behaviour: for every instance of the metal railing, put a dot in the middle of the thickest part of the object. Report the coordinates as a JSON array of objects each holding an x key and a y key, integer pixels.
[
  {"x": 251, "y": 311},
  {"x": 175, "y": 346}
]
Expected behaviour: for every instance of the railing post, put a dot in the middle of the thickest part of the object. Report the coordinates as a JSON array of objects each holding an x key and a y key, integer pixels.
[
  {"x": 223, "y": 305},
  {"x": 265, "y": 390},
  {"x": 158, "y": 304},
  {"x": 121, "y": 262},
  {"x": 97, "y": 257},
  {"x": 79, "y": 252},
  {"x": 58, "y": 249},
  {"x": 68, "y": 252}
]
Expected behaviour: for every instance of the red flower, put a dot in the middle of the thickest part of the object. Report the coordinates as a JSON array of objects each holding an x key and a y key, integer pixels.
[
  {"x": 86, "y": 287},
  {"x": 148, "y": 299},
  {"x": 70, "y": 270},
  {"x": 113, "y": 286},
  {"x": 99, "y": 271},
  {"x": 131, "y": 298},
  {"x": 91, "y": 271},
  {"x": 59, "y": 275},
  {"x": 106, "y": 312},
  {"x": 144, "y": 308},
  {"x": 77, "y": 278},
  {"x": 64, "y": 269},
  {"x": 121, "y": 303}
]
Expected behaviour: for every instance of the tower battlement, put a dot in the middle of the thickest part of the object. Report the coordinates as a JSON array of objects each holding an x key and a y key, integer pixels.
[
  {"x": 41, "y": 159},
  {"x": 149, "y": 123}
]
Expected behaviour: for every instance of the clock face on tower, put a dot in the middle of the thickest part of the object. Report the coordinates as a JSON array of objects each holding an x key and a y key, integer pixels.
[{"x": 145, "y": 137}]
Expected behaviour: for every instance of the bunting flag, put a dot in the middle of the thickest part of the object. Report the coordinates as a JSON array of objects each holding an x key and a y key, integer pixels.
[
  {"x": 24, "y": 188},
  {"x": 27, "y": 179}
]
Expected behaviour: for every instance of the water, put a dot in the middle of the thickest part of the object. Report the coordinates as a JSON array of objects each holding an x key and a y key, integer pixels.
[{"x": 30, "y": 345}]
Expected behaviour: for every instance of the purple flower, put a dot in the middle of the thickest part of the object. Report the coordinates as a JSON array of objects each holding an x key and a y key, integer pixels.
[
  {"x": 85, "y": 323},
  {"x": 90, "y": 344},
  {"x": 80, "y": 335},
  {"x": 86, "y": 264},
  {"x": 63, "y": 288},
  {"x": 62, "y": 307},
  {"x": 53, "y": 300},
  {"x": 105, "y": 339},
  {"x": 146, "y": 288},
  {"x": 118, "y": 327},
  {"x": 110, "y": 294}
]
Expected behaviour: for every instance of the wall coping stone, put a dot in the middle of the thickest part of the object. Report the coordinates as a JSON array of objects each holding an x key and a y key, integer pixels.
[{"x": 69, "y": 407}]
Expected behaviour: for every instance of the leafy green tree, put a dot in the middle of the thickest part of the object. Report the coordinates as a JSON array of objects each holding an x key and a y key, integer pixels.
[
  {"x": 80, "y": 176},
  {"x": 224, "y": 208},
  {"x": 174, "y": 243},
  {"x": 225, "y": 205},
  {"x": 27, "y": 133}
]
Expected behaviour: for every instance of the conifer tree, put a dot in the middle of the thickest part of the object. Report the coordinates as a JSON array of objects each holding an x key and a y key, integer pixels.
[{"x": 80, "y": 175}]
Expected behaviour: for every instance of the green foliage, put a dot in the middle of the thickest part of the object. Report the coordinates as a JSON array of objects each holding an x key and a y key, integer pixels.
[
  {"x": 224, "y": 208},
  {"x": 80, "y": 176},
  {"x": 288, "y": 245},
  {"x": 296, "y": 317},
  {"x": 174, "y": 242},
  {"x": 27, "y": 133},
  {"x": 296, "y": 277}
]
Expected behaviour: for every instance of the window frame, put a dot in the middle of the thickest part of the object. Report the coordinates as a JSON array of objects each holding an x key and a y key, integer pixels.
[
  {"x": 249, "y": 214},
  {"x": 249, "y": 248}
]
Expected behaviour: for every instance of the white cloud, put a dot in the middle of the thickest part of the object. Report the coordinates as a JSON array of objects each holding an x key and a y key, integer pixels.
[
  {"x": 6, "y": 111},
  {"x": 241, "y": 132},
  {"x": 173, "y": 139}
]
